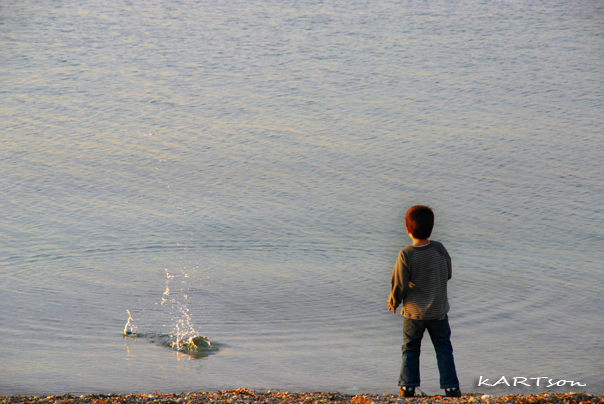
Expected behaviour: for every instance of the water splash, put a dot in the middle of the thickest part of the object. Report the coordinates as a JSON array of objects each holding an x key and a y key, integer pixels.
[
  {"x": 130, "y": 328},
  {"x": 184, "y": 337}
]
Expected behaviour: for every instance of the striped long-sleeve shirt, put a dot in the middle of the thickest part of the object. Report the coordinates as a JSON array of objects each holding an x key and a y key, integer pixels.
[{"x": 419, "y": 281}]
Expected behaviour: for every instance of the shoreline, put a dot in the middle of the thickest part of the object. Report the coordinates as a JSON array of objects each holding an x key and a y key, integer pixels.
[{"x": 245, "y": 396}]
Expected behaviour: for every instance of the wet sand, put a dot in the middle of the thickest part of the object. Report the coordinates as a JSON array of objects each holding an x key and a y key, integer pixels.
[{"x": 244, "y": 396}]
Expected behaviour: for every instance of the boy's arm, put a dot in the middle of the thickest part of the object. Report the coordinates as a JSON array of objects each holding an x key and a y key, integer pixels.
[
  {"x": 449, "y": 266},
  {"x": 443, "y": 251},
  {"x": 399, "y": 285}
]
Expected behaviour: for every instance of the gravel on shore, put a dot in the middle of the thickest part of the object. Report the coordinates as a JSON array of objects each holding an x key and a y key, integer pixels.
[{"x": 244, "y": 396}]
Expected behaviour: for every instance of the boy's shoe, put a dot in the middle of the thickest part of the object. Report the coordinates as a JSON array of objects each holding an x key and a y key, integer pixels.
[
  {"x": 407, "y": 391},
  {"x": 453, "y": 392}
]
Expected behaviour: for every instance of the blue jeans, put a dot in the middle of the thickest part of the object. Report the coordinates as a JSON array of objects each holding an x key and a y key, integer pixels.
[{"x": 440, "y": 334}]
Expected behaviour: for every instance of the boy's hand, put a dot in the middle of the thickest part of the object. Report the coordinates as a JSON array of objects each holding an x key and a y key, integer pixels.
[{"x": 391, "y": 308}]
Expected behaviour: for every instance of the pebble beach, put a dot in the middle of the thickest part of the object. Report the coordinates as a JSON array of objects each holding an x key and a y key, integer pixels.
[{"x": 244, "y": 396}]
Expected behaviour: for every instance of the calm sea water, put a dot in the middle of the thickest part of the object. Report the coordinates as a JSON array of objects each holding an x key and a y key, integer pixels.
[{"x": 264, "y": 154}]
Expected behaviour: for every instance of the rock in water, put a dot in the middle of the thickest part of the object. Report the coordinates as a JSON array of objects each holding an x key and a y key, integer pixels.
[{"x": 200, "y": 342}]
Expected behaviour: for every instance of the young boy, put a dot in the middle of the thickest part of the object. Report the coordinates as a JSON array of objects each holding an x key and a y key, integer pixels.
[{"x": 419, "y": 281}]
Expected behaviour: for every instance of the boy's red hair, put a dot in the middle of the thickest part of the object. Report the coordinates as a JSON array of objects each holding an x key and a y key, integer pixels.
[{"x": 419, "y": 221}]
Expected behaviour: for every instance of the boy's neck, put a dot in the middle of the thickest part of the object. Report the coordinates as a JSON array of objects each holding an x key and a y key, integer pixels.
[{"x": 418, "y": 242}]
